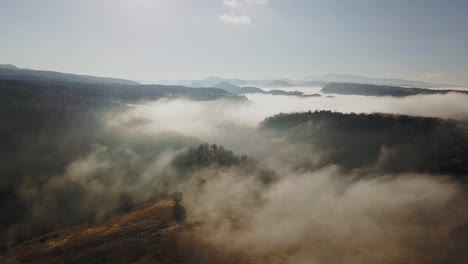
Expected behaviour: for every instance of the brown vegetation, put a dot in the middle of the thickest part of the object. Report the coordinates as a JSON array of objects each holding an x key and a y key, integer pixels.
[{"x": 148, "y": 234}]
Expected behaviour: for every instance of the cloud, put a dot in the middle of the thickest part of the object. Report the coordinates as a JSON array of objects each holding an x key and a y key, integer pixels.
[
  {"x": 244, "y": 3},
  {"x": 318, "y": 217},
  {"x": 240, "y": 5},
  {"x": 233, "y": 3},
  {"x": 302, "y": 213},
  {"x": 236, "y": 20}
]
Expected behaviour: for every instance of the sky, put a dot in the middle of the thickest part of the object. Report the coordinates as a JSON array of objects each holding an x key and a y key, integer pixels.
[{"x": 152, "y": 40}]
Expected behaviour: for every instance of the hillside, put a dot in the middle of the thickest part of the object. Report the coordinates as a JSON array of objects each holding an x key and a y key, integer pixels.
[
  {"x": 379, "y": 142},
  {"x": 46, "y": 126},
  {"x": 148, "y": 234},
  {"x": 11, "y": 72},
  {"x": 53, "y": 93}
]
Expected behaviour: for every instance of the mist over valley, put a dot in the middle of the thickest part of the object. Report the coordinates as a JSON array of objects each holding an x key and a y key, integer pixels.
[{"x": 233, "y": 132}]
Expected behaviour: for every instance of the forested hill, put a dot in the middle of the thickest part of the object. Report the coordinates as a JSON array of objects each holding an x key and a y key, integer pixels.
[
  {"x": 380, "y": 90},
  {"x": 383, "y": 142},
  {"x": 57, "y": 112},
  {"x": 54, "y": 92},
  {"x": 11, "y": 72},
  {"x": 45, "y": 126}
]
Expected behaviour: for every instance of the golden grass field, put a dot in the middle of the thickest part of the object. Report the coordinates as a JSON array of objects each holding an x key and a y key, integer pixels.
[{"x": 149, "y": 234}]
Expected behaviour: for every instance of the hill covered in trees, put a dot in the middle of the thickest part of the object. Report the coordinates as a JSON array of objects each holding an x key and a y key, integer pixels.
[
  {"x": 47, "y": 126},
  {"x": 11, "y": 72},
  {"x": 38, "y": 116},
  {"x": 382, "y": 142}
]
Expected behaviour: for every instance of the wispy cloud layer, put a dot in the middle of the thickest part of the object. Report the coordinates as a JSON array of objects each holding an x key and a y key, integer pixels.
[
  {"x": 234, "y": 5},
  {"x": 244, "y": 3}
]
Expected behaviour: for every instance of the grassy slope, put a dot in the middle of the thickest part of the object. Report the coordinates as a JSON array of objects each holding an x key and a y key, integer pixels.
[{"x": 146, "y": 235}]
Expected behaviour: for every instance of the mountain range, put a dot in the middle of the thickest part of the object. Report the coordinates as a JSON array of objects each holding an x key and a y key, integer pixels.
[
  {"x": 9, "y": 71},
  {"x": 309, "y": 81}
]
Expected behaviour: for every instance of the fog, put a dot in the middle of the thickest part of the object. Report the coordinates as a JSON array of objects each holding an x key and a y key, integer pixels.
[
  {"x": 450, "y": 105},
  {"x": 306, "y": 214},
  {"x": 199, "y": 117},
  {"x": 312, "y": 216},
  {"x": 234, "y": 124},
  {"x": 324, "y": 217}
]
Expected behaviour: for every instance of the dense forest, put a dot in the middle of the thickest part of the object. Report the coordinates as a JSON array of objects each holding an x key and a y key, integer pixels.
[
  {"x": 382, "y": 142},
  {"x": 216, "y": 156}
]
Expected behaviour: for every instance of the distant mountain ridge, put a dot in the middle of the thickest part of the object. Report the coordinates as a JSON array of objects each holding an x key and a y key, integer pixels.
[
  {"x": 9, "y": 66},
  {"x": 240, "y": 90},
  {"x": 280, "y": 84},
  {"x": 228, "y": 87},
  {"x": 348, "y": 78},
  {"x": 380, "y": 90},
  {"x": 11, "y": 72},
  {"x": 309, "y": 81}
]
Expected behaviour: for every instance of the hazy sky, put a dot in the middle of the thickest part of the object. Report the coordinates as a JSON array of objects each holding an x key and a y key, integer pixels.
[{"x": 184, "y": 39}]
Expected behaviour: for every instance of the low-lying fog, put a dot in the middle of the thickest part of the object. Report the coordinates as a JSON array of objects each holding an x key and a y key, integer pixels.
[
  {"x": 234, "y": 125},
  {"x": 450, "y": 105},
  {"x": 322, "y": 216},
  {"x": 197, "y": 117}
]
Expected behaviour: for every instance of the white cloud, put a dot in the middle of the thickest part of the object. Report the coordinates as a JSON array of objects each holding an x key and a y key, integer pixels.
[
  {"x": 233, "y": 3},
  {"x": 243, "y": 3},
  {"x": 240, "y": 5},
  {"x": 236, "y": 20}
]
